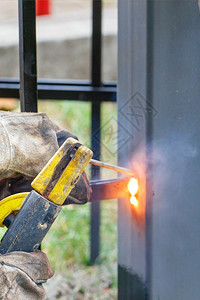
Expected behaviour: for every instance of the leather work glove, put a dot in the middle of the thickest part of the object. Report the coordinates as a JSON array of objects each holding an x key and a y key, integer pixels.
[
  {"x": 27, "y": 142},
  {"x": 22, "y": 275}
]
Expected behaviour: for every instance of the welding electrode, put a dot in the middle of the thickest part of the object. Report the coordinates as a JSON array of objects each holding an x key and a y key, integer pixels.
[{"x": 111, "y": 167}]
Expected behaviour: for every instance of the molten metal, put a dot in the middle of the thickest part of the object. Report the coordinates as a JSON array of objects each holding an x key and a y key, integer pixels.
[
  {"x": 133, "y": 189},
  {"x": 133, "y": 186},
  {"x": 134, "y": 201}
]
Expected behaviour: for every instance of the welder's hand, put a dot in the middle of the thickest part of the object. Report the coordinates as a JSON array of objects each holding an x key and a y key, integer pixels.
[
  {"x": 27, "y": 142},
  {"x": 22, "y": 275}
]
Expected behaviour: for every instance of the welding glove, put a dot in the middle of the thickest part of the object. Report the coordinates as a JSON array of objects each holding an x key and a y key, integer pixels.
[
  {"x": 22, "y": 275},
  {"x": 27, "y": 142}
]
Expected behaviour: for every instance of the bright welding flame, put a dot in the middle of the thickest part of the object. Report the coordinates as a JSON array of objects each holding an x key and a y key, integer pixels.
[
  {"x": 134, "y": 201},
  {"x": 133, "y": 188}
]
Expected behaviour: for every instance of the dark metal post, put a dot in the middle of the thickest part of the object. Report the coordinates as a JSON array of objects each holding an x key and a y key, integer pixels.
[
  {"x": 27, "y": 53},
  {"x": 172, "y": 227},
  {"x": 95, "y": 206},
  {"x": 158, "y": 241},
  {"x": 132, "y": 111},
  {"x": 96, "y": 112}
]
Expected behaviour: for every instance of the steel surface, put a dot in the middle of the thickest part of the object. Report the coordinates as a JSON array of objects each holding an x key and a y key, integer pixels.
[{"x": 109, "y": 189}]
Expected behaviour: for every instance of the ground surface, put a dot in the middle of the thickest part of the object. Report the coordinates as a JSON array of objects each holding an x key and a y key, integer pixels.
[
  {"x": 88, "y": 283},
  {"x": 59, "y": 8},
  {"x": 63, "y": 40}
]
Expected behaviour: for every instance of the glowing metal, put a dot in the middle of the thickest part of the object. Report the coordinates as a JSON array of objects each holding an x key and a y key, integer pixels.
[
  {"x": 134, "y": 201},
  {"x": 133, "y": 186}
]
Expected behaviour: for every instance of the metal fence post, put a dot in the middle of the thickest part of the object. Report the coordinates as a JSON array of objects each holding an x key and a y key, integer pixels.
[
  {"x": 132, "y": 39},
  {"x": 96, "y": 116},
  {"x": 159, "y": 59},
  {"x": 27, "y": 54}
]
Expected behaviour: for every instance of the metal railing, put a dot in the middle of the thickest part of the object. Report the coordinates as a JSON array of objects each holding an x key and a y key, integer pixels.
[{"x": 29, "y": 89}]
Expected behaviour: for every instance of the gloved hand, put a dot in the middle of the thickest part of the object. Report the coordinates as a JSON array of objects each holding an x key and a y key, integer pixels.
[
  {"x": 27, "y": 142},
  {"x": 22, "y": 275}
]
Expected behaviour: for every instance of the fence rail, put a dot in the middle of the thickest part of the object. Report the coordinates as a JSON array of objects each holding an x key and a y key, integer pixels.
[{"x": 62, "y": 90}]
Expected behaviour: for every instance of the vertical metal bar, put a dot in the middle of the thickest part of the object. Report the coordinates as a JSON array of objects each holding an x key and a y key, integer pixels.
[
  {"x": 95, "y": 206},
  {"x": 27, "y": 55},
  {"x": 132, "y": 47},
  {"x": 174, "y": 215},
  {"x": 96, "y": 42},
  {"x": 149, "y": 153},
  {"x": 96, "y": 135}
]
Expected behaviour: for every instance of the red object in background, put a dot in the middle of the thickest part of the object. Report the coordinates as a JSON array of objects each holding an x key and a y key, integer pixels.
[{"x": 42, "y": 7}]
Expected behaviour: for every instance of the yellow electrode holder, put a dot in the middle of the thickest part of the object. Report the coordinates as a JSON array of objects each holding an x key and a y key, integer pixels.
[
  {"x": 54, "y": 182},
  {"x": 57, "y": 178},
  {"x": 11, "y": 204}
]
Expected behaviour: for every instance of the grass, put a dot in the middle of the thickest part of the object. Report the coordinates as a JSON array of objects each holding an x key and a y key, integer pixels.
[{"x": 68, "y": 240}]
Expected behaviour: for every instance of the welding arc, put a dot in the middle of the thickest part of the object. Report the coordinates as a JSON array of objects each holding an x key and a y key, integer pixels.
[{"x": 111, "y": 167}]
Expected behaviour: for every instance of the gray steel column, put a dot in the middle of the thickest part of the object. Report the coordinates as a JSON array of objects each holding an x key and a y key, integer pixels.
[
  {"x": 175, "y": 92},
  {"x": 132, "y": 137},
  {"x": 159, "y": 247}
]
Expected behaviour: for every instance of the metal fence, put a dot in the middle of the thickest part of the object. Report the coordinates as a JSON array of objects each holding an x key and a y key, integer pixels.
[{"x": 29, "y": 89}]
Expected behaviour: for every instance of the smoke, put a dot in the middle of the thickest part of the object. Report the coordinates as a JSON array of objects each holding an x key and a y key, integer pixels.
[
  {"x": 170, "y": 154},
  {"x": 162, "y": 167}
]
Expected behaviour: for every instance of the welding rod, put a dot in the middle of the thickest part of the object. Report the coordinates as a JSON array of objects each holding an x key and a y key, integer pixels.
[{"x": 111, "y": 167}]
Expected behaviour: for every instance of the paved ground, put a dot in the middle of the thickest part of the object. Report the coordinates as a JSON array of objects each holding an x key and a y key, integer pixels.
[
  {"x": 8, "y": 8},
  {"x": 70, "y": 25},
  {"x": 63, "y": 36},
  {"x": 68, "y": 19}
]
